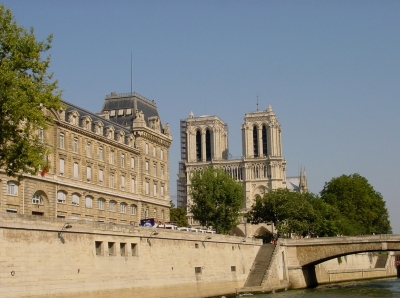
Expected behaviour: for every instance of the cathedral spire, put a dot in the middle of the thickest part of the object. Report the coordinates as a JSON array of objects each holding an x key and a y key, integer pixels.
[{"x": 303, "y": 180}]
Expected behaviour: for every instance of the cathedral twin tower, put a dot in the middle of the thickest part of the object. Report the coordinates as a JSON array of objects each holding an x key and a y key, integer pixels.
[{"x": 204, "y": 142}]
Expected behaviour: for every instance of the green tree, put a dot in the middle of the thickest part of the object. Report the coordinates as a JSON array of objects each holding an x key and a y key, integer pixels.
[
  {"x": 26, "y": 92},
  {"x": 362, "y": 208},
  {"x": 290, "y": 212},
  {"x": 216, "y": 199},
  {"x": 178, "y": 215}
]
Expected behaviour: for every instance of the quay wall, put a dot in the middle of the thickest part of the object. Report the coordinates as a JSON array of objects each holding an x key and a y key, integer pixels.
[
  {"x": 105, "y": 260},
  {"x": 38, "y": 258}
]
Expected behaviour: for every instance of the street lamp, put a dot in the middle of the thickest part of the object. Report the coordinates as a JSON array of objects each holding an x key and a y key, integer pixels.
[
  {"x": 66, "y": 226},
  {"x": 153, "y": 233}
]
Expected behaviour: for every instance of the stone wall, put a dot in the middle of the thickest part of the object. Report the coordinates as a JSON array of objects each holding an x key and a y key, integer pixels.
[{"x": 106, "y": 260}]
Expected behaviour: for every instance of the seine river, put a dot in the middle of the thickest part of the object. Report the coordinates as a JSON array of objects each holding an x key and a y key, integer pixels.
[{"x": 373, "y": 288}]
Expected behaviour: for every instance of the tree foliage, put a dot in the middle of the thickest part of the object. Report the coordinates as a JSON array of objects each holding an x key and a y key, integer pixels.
[
  {"x": 348, "y": 205},
  {"x": 290, "y": 211},
  {"x": 178, "y": 215},
  {"x": 216, "y": 199},
  {"x": 362, "y": 208},
  {"x": 26, "y": 91}
]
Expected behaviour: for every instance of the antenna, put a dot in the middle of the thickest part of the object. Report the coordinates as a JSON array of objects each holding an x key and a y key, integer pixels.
[
  {"x": 257, "y": 102},
  {"x": 131, "y": 73}
]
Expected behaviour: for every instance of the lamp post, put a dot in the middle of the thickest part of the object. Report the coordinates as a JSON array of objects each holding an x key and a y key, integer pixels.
[{"x": 66, "y": 226}]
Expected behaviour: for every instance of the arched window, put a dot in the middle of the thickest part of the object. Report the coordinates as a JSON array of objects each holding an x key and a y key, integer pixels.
[
  {"x": 61, "y": 197},
  {"x": 37, "y": 199},
  {"x": 12, "y": 188},
  {"x": 88, "y": 202},
  {"x": 122, "y": 208},
  {"x": 264, "y": 140},
  {"x": 112, "y": 205},
  {"x": 198, "y": 146},
  {"x": 75, "y": 199},
  {"x": 100, "y": 203},
  {"x": 133, "y": 209},
  {"x": 255, "y": 141},
  {"x": 208, "y": 145}
]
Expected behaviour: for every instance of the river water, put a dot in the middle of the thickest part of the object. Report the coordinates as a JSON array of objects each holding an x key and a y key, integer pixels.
[{"x": 360, "y": 289}]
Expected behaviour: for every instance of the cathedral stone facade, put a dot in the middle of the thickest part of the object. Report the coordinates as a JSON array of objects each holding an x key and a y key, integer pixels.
[
  {"x": 109, "y": 167},
  {"x": 204, "y": 142}
]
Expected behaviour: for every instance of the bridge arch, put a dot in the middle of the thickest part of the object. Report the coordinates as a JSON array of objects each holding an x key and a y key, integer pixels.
[{"x": 304, "y": 254}]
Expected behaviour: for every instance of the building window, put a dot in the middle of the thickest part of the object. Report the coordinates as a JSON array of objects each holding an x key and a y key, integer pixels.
[
  {"x": 100, "y": 204},
  {"x": 88, "y": 202},
  {"x": 75, "y": 146},
  {"x": 147, "y": 167},
  {"x": 208, "y": 145},
  {"x": 264, "y": 141},
  {"x": 101, "y": 177},
  {"x": 133, "y": 209},
  {"x": 123, "y": 160},
  {"x": 111, "y": 206},
  {"x": 154, "y": 189},
  {"x": 197, "y": 270},
  {"x": 62, "y": 164},
  {"x": 162, "y": 172},
  {"x": 133, "y": 185},
  {"x": 147, "y": 187},
  {"x": 100, "y": 153},
  {"x": 154, "y": 151},
  {"x": 147, "y": 149},
  {"x": 154, "y": 169},
  {"x": 88, "y": 149},
  {"x": 112, "y": 180},
  {"x": 37, "y": 199},
  {"x": 154, "y": 212},
  {"x": 40, "y": 135},
  {"x": 255, "y": 141},
  {"x": 89, "y": 173},
  {"x": 146, "y": 213},
  {"x": 122, "y": 208},
  {"x": 162, "y": 191},
  {"x": 198, "y": 146},
  {"x": 61, "y": 140},
  {"x": 75, "y": 199},
  {"x": 61, "y": 197},
  {"x": 233, "y": 268},
  {"x": 132, "y": 163},
  {"x": 112, "y": 157},
  {"x": 123, "y": 182},
  {"x": 76, "y": 174},
  {"x": 12, "y": 188},
  {"x": 162, "y": 154}
]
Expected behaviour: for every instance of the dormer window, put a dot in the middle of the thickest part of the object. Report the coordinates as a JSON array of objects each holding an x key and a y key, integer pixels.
[{"x": 73, "y": 117}]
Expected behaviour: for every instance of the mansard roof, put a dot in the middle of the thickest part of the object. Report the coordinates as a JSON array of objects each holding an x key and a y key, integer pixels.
[
  {"x": 122, "y": 107},
  {"x": 95, "y": 118}
]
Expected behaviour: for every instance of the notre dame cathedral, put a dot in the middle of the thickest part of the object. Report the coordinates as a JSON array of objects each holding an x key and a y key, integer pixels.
[{"x": 204, "y": 142}]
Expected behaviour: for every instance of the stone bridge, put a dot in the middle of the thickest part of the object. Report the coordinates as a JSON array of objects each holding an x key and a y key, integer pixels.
[{"x": 301, "y": 255}]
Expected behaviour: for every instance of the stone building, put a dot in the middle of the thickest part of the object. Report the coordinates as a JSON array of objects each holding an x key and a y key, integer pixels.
[
  {"x": 108, "y": 167},
  {"x": 204, "y": 142}
]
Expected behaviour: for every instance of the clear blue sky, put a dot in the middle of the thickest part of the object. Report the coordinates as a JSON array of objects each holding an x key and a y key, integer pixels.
[{"x": 329, "y": 69}]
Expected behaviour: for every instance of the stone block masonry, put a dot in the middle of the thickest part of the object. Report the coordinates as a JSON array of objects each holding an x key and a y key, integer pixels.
[{"x": 39, "y": 259}]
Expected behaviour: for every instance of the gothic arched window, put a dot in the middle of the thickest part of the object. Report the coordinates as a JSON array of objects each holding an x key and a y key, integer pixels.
[
  {"x": 208, "y": 145},
  {"x": 255, "y": 141},
  {"x": 264, "y": 140},
  {"x": 198, "y": 146}
]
